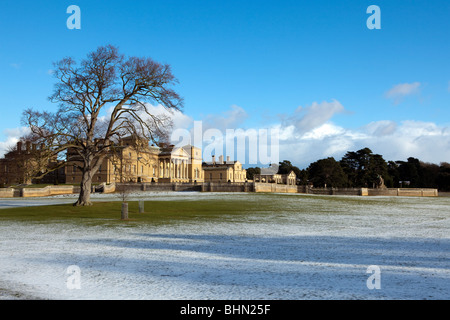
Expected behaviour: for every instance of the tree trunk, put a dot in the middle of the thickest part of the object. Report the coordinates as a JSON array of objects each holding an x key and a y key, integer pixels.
[
  {"x": 84, "y": 198},
  {"x": 124, "y": 212}
]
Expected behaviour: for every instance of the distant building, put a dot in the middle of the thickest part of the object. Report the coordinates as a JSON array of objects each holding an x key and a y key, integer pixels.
[
  {"x": 180, "y": 164},
  {"x": 131, "y": 160},
  {"x": 224, "y": 171},
  {"x": 134, "y": 160},
  {"x": 27, "y": 164},
  {"x": 271, "y": 175},
  {"x": 289, "y": 178}
]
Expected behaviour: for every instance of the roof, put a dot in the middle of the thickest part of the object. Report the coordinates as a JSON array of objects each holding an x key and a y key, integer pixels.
[{"x": 271, "y": 170}]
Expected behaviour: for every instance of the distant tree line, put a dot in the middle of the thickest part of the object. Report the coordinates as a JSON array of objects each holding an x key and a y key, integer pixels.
[{"x": 363, "y": 168}]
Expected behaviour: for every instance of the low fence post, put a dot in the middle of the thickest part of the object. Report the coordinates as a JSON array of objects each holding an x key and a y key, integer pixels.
[
  {"x": 124, "y": 213},
  {"x": 141, "y": 206}
]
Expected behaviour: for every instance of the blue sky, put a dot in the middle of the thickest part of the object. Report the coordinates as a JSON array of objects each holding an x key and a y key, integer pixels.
[{"x": 311, "y": 68}]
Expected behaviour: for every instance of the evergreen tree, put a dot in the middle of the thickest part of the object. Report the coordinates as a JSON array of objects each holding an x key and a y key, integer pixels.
[{"x": 327, "y": 172}]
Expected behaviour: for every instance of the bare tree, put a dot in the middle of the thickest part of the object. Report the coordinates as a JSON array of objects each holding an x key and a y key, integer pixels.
[{"x": 101, "y": 100}]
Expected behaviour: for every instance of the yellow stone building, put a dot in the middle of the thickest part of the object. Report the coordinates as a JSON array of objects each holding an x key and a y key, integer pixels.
[
  {"x": 180, "y": 164},
  {"x": 134, "y": 160},
  {"x": 224, "y": 171},
  {"x": 271, "y": 175}
]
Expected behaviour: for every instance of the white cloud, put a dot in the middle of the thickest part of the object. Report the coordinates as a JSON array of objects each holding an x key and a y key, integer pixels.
[
  {"x": 12, "y": 137},
  {"x": 426, "y": 141},
  {"x": 179, "y": 119},
  {"x": 309, "y": 135},
  {"x": 399, "y": 91},
  {"x": 380, "y": 128},
  {"x": 324, "y": 131},
  {"x": 230, "y": 119},
  {"x": 313, "y": 116}
]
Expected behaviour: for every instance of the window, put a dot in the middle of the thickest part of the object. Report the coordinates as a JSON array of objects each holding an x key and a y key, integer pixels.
[
  {"x": 210, "y": 176},
  {"x": 142, "y": 169}
]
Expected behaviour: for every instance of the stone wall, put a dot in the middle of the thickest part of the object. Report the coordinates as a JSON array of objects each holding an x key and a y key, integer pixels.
[
  {"x": 6, "y": 192},
  {"x": 277, "y": 188},
  {"x": 135, "y": 187},
  {"x": 227, "y": 187},
  {"x": 404, "y": 192},
  {"x": 46, "y": 191},
  {"x": 38, "y": 192},
  {"x": 334, "y": 191},
  {"x": 217, "y": 187}
]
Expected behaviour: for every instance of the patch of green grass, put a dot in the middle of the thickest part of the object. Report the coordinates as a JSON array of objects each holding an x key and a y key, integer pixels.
[
  {"x": 156, "y": 212},
  {"x": 249, "y": 207}
]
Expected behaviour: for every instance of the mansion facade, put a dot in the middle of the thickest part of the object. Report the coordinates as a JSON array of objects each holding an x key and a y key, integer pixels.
[
  {"x": 26, "y": 163},
  {"x": 134, "y": 160}
]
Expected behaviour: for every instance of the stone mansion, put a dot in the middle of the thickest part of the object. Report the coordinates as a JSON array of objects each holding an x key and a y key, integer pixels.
[{"x": 159, "y": 164}]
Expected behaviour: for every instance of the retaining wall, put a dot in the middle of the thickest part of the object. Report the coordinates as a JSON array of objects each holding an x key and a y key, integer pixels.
[
  {"x": 134, "y": 187},
  {"x": 405, "y": 192},
  {"x": 227, "y": 187},
  {"x": 46, "y": 191},
  {"x": 273, "y": 187},
  {"x": 218, "y": 187},
  {"x": 38, "y": 192},
  {"x": 6, "y": 192},
  {"x": 334, "y": 191}
]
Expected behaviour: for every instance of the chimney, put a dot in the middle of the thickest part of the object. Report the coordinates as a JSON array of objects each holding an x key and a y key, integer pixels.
[
  {"x": 28, "y": 145},
  {"x": 221, "y": 159},
  {"x": 19, "y": 146},
  {"x": 228, "y": 158},
  {"x": 213, "y": 159}
]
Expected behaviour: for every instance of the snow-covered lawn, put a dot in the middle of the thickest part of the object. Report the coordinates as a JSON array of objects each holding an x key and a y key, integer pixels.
[{"x": 310, "y": 248}]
